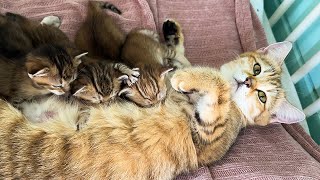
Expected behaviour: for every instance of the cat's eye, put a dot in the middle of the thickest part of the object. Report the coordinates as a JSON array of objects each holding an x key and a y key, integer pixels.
[
  {"x": 256, "y": 69},
  {"x": 262, "y": 96}
]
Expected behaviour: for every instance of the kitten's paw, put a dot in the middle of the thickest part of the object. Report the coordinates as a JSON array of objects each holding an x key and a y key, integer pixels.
[
  {"x": 81, "y": 125},
  {"x": 172, "y": 32},
  {"x": 51, "y": 21},
  {"x": 133, "y": 75},
  {"x": 82, "y": 121},
  {"x": 111, "y": 7},
  {"x": 105, "y": 5}
]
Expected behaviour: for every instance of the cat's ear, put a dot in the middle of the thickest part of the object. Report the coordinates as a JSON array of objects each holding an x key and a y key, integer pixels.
[
  {"x": 126, "y": 92},
  {"x": 80, "y": 91},
  {"x": 287, "y": 114},
  {"x": 41, "y": 73},
  {"x": 165, "y": 71},
  {"x": 277, "y": 51},
  {"x": 77, "y": 59}
]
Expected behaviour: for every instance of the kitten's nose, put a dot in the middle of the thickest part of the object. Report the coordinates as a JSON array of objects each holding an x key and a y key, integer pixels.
[
  {"x": 100, "y": 98},
  {"x": 248, "y": 82}
]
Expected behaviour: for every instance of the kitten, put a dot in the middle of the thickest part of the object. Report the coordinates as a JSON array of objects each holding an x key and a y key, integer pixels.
[
  {"x": 45, "y": 70},
  {"x": 97, "y": 82},
  {"x": 102, "y": 38},
  {"x": 143, "y": 49},
  {"x": 19, "y": 35},
  {"x": 130, "y": 142}
]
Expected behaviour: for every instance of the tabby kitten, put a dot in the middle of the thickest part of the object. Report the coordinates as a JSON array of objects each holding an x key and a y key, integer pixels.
[
  {"x": 98, "y": 82},
  {"x": 19, "y": 35},
  {"x": 102, "y": 38},
  {"x": 130, "y": 142},
  {"x": 143, "y": 49},
  {"x": 45, "y": 70}
]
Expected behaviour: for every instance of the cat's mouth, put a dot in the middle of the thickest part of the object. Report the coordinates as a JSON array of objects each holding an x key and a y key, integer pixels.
[{"x": 237, "y": 84}]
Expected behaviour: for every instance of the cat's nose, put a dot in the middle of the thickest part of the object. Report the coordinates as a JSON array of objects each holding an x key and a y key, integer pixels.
[{"x": 248, "y": 82}]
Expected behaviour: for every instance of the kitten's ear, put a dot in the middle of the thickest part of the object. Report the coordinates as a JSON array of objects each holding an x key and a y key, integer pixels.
[
  {"x": 126, "y": 92},
  {"x": 80, "y": 91},
  {"x": 78, "y": 58},
  {"x": 165, "y": 71},
  {"x": 287, "y": 114},
  {"x": 41, "y": 73},
  {"x": 277, "y": 51}
]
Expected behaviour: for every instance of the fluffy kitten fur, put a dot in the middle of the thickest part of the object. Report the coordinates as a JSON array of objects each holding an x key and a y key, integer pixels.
[
  {"x": 99, "y": 35},
  {"x": 45, "y": 70},
  {"x": 124, "y": 141},
  {"x": 19, "y": 35}
]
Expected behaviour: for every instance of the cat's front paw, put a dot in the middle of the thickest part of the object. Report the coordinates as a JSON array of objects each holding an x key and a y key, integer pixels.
[
  {"x": 51, "y": 21},
  {"x": 180, "y": 81},
  {"x": 202, "y": 80}
]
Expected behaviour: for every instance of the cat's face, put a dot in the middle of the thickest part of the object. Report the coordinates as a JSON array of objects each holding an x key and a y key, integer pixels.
[
  {"x": 97, "y": 83},
  {"x": 256, "y": 86},
  {"x": 149, "y": 89},
  {"x": 52, "y": 68}
]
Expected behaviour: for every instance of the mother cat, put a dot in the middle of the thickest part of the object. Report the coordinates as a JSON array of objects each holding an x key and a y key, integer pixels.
[{"x": 124, "y": 141}]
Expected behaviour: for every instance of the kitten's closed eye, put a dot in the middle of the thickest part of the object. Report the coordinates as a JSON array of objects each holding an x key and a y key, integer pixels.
[{"x": 57, "y": 86}]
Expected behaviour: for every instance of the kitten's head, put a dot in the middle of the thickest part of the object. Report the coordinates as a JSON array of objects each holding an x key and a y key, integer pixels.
[
  {"x": 150, "y": 88},
  {"x": 256, "y": 86},
  {"x": 52, "y": 68},
  {"x": 97, "y": 82}
]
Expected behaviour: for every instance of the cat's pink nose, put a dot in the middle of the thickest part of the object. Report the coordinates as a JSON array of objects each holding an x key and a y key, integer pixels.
[{"x": 248, "y": 82}]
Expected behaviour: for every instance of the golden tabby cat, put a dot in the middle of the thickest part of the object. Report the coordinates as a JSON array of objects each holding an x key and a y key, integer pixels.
[{"x": 124, "y": 141}]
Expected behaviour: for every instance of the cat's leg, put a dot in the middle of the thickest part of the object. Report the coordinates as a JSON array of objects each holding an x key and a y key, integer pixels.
[
  {"x": 213, "y": 102},
  {"x": 174, "y": 40},
  {"x": 51, "y": 21},
  {"x": 215, "y": 125},
  {"x": 132, "y": 74}
]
